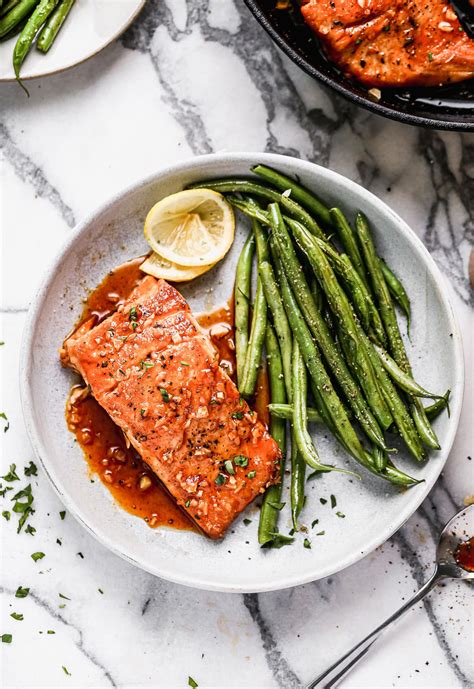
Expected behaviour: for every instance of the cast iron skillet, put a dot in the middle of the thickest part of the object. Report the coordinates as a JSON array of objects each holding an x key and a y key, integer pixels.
[{"x": 447, "y": 107}]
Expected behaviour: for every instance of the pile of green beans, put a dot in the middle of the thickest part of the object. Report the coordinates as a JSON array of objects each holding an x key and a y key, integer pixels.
[
  {"x": 325, "y": 311},
  {"x": 33, "y": 20}
]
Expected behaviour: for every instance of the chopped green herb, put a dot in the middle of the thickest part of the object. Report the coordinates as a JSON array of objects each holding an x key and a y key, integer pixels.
[
  {"x": 4, "y": 491},
  {"x": 241, "y": 461},
  {"x": 247, "y": 521},
  {"x": 237, "y": 415},
  {"x": 17, "y": 616},
  {"x": 430, "y": 57},
  {"x": 132, "y": 316},
  {"x": 1, "y": 344},
  {"x": 62, "y": 514},
  {"x": 341, "y": 514},
  {"x": 165, "y": 395},
  {"x": 146, "y": 364},
  {"x": 58, "y": 541},
  {"x": 320, "y": 533},
  {"x": 21, "y": 592},
  {"x": 323, "y": 501},
  {"x": 187, "y": 503},
  {"x": 142, "y": 412},
  {"x": 6, "y": 515},
  {"x": 192, "y": 683},
  {"x": 37, "y": 556},
  {"x": 63, "y": 605},
  {"x": 7, "y": 424},
  {"x": 184, "y": 363},
  {"x": 66, "y": 671},
  {"x": 229, "y": 466},
  {"x": 134, "y": 325},
  {"x": 279, "y": 540},
  {"x": 291, "y": 532},
  {"x": 307, "y": 543},
  {"x": 121, "y": 371},
  {"x": 50, "y": 631},
  {"x": 12, "y": 475},
  {"x": 252, "y": 474},
  {"x": 31, "y": 469},
  {"x": 23, "y": 507},
  {"x": 220, "y": 480},
  {"x": 277, "y": 505},
  {"x": 333, "y": 501},
  {"x": 314, "y": 522},
  {"x": 100, "y": 591},
  {"x": 30, "y": 530},
  {"x": 7, "y": 638},
  {"x": 63, "y": 596}
]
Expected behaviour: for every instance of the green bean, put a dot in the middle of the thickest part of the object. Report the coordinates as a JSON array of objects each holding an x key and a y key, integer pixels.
[
  {"x": 380, "y": 459},
  {"x": 319, "y": 329},
  {"x": 399, "y": 478},
  {"x": 285, "y": 411},
  {"x": 399, "y": 412},
  {"x": 9, "y": 5},
  {"x": 15, "y": 31},
  {"x": 243, "y": 277},
  {"x": 242, "y": 186},
  {"x": 273, "y": 298},
  {"x": 15, "y": 16},
  {"x": 390, "y": 322},
  {"x": 267, "y": 527},
  {"x": 322, "y": 382},
  {"x": 402, "y": 379},
  {"x": 280, "y": 321},
  {"x": 396, "y": 290},
  {"x": 255, "y": 346},
  {"x": 53, "y": 25},
  {"x": 304, "y": 197},
  {"x": 297, "y": 482},
  {"x": 435, "y": 409},
  {"x": 27, "y": 36},
  {"x": 300, "y": 420},
  {"x": 341, "y": 308},
  {"x": 349, "y": 242}
]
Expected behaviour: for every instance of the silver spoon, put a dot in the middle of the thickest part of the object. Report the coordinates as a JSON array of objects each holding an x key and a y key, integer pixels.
[{"x": 456, "y": 531}]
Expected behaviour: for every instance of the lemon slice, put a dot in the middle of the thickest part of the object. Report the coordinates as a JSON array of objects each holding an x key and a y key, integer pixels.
[
  {"x": 192, "y": 228},
  {"x": 159, "y": 267}
]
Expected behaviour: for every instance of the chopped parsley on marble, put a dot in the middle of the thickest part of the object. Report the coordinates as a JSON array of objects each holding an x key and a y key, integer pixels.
[
  {"x": 7, "y": 423},
  {"x": 11, "y": 475},
  {"x": 192, "y": 683},
  {"x": 21, "y": 592},
  {"x": 17, "y": 616},
  {"x": 7, "y": 638},
  {"x": 37, "y": 556},
  {"x": 31, "y": 469}
]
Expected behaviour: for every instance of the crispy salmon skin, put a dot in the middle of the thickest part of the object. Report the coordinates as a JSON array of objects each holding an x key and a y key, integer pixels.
[
  {"x": 396, "y": 43},
  {"x": 156, "y": 374}
]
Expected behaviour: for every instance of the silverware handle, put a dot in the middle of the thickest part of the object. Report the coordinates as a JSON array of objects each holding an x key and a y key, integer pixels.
[{"x": 334, "y": 674}]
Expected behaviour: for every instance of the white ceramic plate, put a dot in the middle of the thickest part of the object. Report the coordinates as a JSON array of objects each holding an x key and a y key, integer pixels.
[
  {"x": 90, "y": 27},
  {"x": 373, "y": 509}
]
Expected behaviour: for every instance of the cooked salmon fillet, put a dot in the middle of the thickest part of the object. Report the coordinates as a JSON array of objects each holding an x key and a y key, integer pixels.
[
  {"x": 396, "y": 43},
  {"x": 153, "y": 370}
]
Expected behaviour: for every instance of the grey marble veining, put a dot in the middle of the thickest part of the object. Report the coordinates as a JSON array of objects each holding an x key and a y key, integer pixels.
[{"x": 191, "y": 77}]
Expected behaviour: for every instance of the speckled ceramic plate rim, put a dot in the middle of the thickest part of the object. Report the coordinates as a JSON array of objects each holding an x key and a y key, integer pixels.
[
  {"x": 275, "y": 160},
  {"x": 89, "y": 56}
]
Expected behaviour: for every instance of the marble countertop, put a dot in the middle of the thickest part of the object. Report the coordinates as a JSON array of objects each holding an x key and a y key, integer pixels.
[{"x": 191, "y": 77}]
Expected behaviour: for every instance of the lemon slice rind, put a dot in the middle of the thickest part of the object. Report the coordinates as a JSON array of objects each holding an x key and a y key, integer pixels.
[{"x": 160, "y": 267}]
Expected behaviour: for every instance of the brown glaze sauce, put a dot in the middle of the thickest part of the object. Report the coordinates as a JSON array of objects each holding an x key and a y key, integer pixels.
[
  {"x": 132, "y": 484},
  {"x": 464, "y": 555}
]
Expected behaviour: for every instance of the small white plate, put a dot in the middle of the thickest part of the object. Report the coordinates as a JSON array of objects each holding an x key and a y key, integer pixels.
[
  {"x": 90, "y": 27},
  {"x": 373, "y": 509}
]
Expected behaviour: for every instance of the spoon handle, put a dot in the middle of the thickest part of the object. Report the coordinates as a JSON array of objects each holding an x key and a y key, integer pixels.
[{"x": 334, "y": 674}]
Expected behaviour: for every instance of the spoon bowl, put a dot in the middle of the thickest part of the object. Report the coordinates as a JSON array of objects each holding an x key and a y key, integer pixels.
[{"x": 458, "y": 530}]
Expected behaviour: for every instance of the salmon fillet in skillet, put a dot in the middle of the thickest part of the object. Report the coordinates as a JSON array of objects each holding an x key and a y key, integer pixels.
[
  {"x": 393, "y": 43},
  {"x": 156, "y": 374}
]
